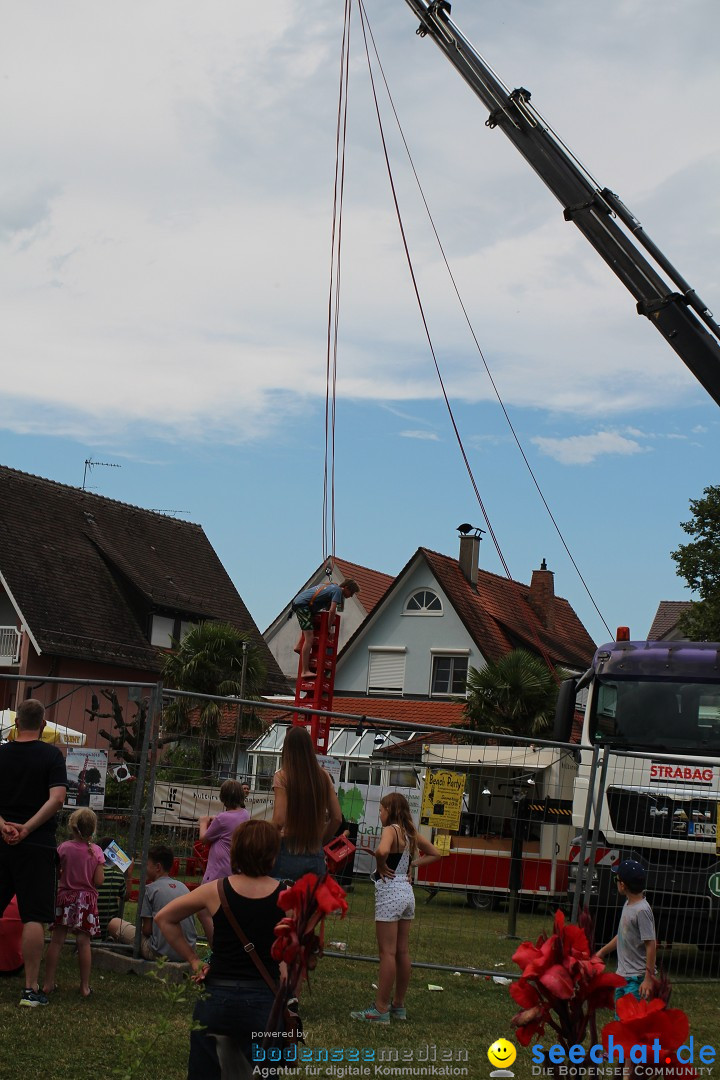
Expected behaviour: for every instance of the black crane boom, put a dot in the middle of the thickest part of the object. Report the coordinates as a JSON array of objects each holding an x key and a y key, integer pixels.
[{"x": 668, "y": 301}]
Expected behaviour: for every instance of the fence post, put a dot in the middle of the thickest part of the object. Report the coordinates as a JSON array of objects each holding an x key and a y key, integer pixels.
[
  {"x": 596, "y": 829},
  {"x": 516, "y": 859},
  {"x": 150, "y": 750},
  {"x": 241, "y": 711},
  {"x": 580, "y": 879}
]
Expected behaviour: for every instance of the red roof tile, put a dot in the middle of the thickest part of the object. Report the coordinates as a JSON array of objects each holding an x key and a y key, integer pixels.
[
  {"x": 498, "y": 616},
  {"x": 373, "y": 584},
  {"x": 666, "y": 618},
  {"x": 404, "y": 710}
]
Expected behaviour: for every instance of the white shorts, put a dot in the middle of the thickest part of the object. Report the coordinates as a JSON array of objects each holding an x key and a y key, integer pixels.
[{"x": 394, "y": 900}]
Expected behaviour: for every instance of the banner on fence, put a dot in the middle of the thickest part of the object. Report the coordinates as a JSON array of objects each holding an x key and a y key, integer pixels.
[
  {"x": 442, "y": 800},
  {"x": 185, "y": 804},
  {"x": 87, "y": 774}
]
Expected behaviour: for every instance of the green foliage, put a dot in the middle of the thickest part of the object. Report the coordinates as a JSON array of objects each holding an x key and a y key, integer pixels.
[
  {"x": 515, "y": 695},
  {"x": 352, "y": 803},
  {"x": 140, "y": 1041},
  {"x": 699, "y": 563},
  {"x": 209, "y": 660}
]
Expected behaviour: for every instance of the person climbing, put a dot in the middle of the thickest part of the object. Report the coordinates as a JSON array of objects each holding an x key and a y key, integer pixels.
[{"x": 309, "y": 603}]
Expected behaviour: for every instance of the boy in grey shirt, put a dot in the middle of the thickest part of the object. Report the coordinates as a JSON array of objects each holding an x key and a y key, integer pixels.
[
  {"x": 635, "y": 939},
  {"x": 159, "y": 891}
]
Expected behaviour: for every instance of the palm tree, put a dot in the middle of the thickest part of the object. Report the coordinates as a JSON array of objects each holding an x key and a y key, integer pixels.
[
  {"x": 515, "y": 695},
  {"x": 209, "y": 660}
]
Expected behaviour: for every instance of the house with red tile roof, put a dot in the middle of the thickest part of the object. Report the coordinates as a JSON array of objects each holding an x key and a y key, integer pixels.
[
  {"x": 282, "y": 633},
  {"x": 93, "y": 588},
  {"x": 665, "y": 624},
  {"x": 443, "y": 615}
]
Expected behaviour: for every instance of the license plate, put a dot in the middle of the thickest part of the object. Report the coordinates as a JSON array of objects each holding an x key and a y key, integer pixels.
[{"x": 703, "y": 828}]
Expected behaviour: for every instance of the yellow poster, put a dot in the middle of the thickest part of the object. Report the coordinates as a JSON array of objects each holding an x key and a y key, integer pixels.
[{"x": 442, "y": 799}]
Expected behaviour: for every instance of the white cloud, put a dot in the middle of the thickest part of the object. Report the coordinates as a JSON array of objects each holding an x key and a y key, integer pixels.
[
  {"x": 428, "y": 436},
  {"x": 166, "y": 241},
  {"x": 584, "y": 449}
]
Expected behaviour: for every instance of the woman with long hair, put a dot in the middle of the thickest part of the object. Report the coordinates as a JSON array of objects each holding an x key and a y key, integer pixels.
[
  {"x": 306, "y": 810},
  {"x": 401, "y": 847}
]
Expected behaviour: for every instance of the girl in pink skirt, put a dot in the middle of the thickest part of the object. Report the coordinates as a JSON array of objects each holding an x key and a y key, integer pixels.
[{"x": 81, "y": 871}]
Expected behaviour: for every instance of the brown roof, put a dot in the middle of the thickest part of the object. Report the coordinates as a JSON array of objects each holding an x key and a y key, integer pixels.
[
  {"x": 88, "y": 572},
  {"x": 498, "y": 616},
  {"x": 667, "y": 617},
  {"x": 405, "y": 710},
  {"x": 373, "y": 584}
]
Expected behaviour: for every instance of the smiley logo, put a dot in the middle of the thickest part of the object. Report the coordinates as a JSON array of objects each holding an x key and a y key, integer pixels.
[{"x": 502, "y": 1054}]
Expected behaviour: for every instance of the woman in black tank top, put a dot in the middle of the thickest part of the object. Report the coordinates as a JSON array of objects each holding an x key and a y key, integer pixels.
[{"x": 237, "y": 1000}]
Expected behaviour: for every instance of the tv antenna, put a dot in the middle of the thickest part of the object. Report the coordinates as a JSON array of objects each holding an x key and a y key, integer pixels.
[{"x": 90, "y": 465}]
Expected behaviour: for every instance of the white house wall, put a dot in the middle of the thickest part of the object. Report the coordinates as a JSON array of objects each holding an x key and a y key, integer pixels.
[
  {"x": 390, "y": 628},
  {"x": 282, "y": 636}
]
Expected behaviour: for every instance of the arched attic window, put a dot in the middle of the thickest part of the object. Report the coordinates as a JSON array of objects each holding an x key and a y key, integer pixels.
[{"x": 423, "y": 602}]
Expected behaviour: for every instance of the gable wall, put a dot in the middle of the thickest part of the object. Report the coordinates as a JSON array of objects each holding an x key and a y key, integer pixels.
[
  {"x": 282, "y": 637},
  {"x": 418, "y": 634}
]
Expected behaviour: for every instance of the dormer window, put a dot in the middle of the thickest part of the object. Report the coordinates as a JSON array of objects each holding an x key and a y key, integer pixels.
[
  {"x": 165, "y": 630},
  {"x": 424, "y": 602}
]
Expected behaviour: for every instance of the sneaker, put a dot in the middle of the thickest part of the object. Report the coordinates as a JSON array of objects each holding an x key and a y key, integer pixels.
[
  {"x": 33, "y": 998},
  {"x": 398, "y": 1012},
  {"x": 372, "y": 1014}
]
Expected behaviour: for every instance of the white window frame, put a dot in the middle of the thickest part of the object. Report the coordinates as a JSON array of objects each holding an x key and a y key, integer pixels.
[
  {"x": 394, "y": 657},
  {"x": 438, "y": 653},
  {"x": 422, "y": 612}
]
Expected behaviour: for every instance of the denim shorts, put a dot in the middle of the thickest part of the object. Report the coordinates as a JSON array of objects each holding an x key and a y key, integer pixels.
[{"x": 291, "y": 866}]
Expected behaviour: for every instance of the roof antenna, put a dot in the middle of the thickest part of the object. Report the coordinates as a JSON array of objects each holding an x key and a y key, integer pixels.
[{"x": 90, "y": 465}]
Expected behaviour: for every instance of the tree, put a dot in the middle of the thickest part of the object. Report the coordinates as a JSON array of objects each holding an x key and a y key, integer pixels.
[
  {"x": 209, "y": 660},
  {"x": 699, "y": 563},
  {"x": 515, "y": 695}
]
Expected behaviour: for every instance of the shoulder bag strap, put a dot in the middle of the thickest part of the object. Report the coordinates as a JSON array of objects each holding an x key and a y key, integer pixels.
[{"x": 247, "y": 945}]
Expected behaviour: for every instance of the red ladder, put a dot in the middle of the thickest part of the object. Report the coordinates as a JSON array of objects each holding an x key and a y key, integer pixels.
[{"x": 317, "y": 693}]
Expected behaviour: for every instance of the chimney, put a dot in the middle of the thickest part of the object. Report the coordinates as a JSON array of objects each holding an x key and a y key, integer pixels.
[
  {"x": 469, "y": 552},
  {"x": 542, "y": 595}
]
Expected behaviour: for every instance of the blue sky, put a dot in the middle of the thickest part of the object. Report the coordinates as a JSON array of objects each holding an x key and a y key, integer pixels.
[{"x": 164, "y": 262}]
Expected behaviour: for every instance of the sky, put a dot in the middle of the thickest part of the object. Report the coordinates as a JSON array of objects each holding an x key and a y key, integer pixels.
[{"x": 165, "y": 237}]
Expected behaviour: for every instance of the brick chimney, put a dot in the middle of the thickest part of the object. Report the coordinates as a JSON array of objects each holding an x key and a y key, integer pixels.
[
  {"x": 470, "y": 555},
  {"x": 542, "y": 595}
]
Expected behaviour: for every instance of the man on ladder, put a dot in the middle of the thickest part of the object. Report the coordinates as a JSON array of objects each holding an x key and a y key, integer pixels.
[{"x": 309, "y": 603}]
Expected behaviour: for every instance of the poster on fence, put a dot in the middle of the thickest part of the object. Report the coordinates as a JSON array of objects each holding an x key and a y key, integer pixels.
[
  {"x": 442, "y": 800},
  {"x": 86, "y": 776},
  {"x": 361, "y": 803},
  {"x": 185, "y": 804}
]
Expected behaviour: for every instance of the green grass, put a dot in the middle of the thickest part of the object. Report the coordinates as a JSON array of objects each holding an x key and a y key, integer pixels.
[{"x": 74, "y": 1039}]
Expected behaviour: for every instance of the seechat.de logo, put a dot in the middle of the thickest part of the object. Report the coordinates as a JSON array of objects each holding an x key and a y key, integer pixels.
[{"x": 502, "y": 1054}]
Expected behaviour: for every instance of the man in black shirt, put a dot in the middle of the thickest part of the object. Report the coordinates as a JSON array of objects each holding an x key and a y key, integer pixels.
[{"x": 33, "y": 782}]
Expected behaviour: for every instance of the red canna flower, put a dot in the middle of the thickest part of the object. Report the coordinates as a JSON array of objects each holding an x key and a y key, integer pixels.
[
  {"x": 329, "y": 897},
  {"x": 641, "y": 1023},
  {"x": 285, "y": 947},
  {"x": 530, "y": 1022},
  {"x": 562, "y": 985}
]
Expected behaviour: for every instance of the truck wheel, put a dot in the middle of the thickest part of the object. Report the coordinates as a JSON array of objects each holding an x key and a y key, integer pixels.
[{"x": 481, "y": 901}]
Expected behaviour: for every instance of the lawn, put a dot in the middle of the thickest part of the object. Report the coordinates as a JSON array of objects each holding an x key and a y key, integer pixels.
[{"x": 133, "y": 1020}]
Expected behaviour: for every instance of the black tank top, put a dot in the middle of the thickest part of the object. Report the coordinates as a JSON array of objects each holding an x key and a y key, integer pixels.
[{"x": 257, "y": 919}]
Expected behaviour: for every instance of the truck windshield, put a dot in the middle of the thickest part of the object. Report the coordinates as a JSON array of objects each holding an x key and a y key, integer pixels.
[{"x": 675, "y": 715}]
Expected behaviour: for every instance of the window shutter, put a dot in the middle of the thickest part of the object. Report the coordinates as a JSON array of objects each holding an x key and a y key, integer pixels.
[{"x": 386, "y": 672}]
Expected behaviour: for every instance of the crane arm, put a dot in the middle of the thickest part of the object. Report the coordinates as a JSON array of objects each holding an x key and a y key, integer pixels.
[{"x": 669, "y": 302}]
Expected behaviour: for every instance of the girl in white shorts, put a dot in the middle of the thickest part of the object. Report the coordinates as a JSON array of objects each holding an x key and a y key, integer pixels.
[{"x": 395, "y": 905}]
